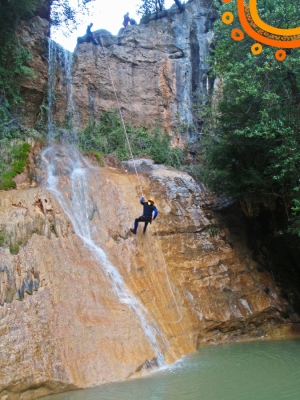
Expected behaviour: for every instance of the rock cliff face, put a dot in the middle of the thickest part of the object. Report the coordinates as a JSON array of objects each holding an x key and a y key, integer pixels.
[
  {"x": 85, "y": 305},
  {"x": 82, "y": 300},
  {"x": 159, "y": 71},
  {"x": 33, "y": 36}
]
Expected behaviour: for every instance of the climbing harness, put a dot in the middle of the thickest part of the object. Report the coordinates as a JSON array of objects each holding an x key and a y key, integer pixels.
[{"x": 138, "y": 178}]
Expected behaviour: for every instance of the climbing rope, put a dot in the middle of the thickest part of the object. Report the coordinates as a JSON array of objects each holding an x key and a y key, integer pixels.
[
  {"x": 167, "y": 275},
  {"x": 121, "y": 116},
  {"x": 137, "y": 175},
  {"x": 138, "y": 178},
  {"x": 168, "y": 279}
]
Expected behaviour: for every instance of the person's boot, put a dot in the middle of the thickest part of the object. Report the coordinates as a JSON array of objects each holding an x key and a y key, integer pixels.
[
  {"x": 133, "y": 230},
  {"x": 144, "y": 230}
]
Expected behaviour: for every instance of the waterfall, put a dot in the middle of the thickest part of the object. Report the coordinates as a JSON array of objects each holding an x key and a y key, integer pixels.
[
  {"x": 66, "y": 59},
  {"x": 67, "y": 164},
  {"x": 68, "y": 169},
  {"x": 60, "y": 63},
  {"x": 50, "y": 89}
]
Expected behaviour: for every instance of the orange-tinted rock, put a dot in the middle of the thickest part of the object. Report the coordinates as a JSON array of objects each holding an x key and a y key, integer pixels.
[{"x": 69, "y": 328}]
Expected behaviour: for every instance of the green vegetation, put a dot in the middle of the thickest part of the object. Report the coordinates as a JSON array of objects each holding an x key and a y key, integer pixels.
[
  {"x": 2, "y": 235},
  {"x": 14, "y": 248},
  {"x": 252, "y": 135},
  {"x": 99, "y": 157},
  {"x": 42, "y": 120},
  {"x": 13, "y": 56},
  {"x": 212, "y": 230},
  {"x": 14, "y": 157},
  {"x": 108, "y": 138},
  {"x": 6, "y": 241},
  {"x": 149, "y": 7}
]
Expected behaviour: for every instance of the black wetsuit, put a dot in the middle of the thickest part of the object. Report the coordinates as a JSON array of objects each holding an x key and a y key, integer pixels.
[{"x": 149, "y": 209}]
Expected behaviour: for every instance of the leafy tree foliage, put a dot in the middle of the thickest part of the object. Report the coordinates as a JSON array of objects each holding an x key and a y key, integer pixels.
[
  {"x": 151, "y": 6},
  {"x": 253, "y": 147},
  {"x": 148, "y": 7},
  {"x": 65, "y": 16}
]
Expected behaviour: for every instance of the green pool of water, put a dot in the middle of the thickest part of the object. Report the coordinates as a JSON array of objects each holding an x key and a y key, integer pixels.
[{"x": 237, "y": 371}]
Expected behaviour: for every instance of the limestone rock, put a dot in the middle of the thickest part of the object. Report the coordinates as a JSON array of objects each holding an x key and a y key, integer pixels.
[
  {"x": 33, "y": 36},
  {"x": 191, "y": 272},
  {"x": 159, "y": 70}
]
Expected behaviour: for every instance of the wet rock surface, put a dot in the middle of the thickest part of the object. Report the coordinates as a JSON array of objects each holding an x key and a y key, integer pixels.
[{"x": 61, "y": 320}]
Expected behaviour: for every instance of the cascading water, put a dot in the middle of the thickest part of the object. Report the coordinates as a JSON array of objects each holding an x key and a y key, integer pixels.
[
  {"x": 65, "y": 162},
  {"x": 51, "y": 74},
  {"x": 67, "y": 169},
  {"x": 60, "y": 66}
]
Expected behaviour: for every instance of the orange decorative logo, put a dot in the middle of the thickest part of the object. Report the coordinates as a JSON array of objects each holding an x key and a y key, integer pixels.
[{"x": 261, "y": 32}]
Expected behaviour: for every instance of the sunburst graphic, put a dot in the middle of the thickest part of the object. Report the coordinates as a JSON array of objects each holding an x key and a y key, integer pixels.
[{"x": 261, "y": 32}]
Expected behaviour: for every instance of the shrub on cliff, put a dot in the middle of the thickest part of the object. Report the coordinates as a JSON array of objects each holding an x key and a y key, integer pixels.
[
  {"x": 148, "y": 7},
  {"x": 108, "y": 137},
  {"x": 14, "y": 156}
]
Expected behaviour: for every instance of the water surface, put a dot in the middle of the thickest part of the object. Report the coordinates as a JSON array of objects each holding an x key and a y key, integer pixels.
[{"x": 237, "y": 371}]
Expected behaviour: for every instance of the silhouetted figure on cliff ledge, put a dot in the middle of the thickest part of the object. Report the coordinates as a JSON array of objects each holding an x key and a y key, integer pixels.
[
  {"x": 126, "y": 21},
  {"x": 90, "y": 36}
]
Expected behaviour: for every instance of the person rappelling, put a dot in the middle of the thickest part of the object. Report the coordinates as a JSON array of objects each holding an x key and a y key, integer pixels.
[
  {"x": 150, "y": 213},
  {"x": 126, "y": 21},
  {"x": 90, "y": 37}
]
